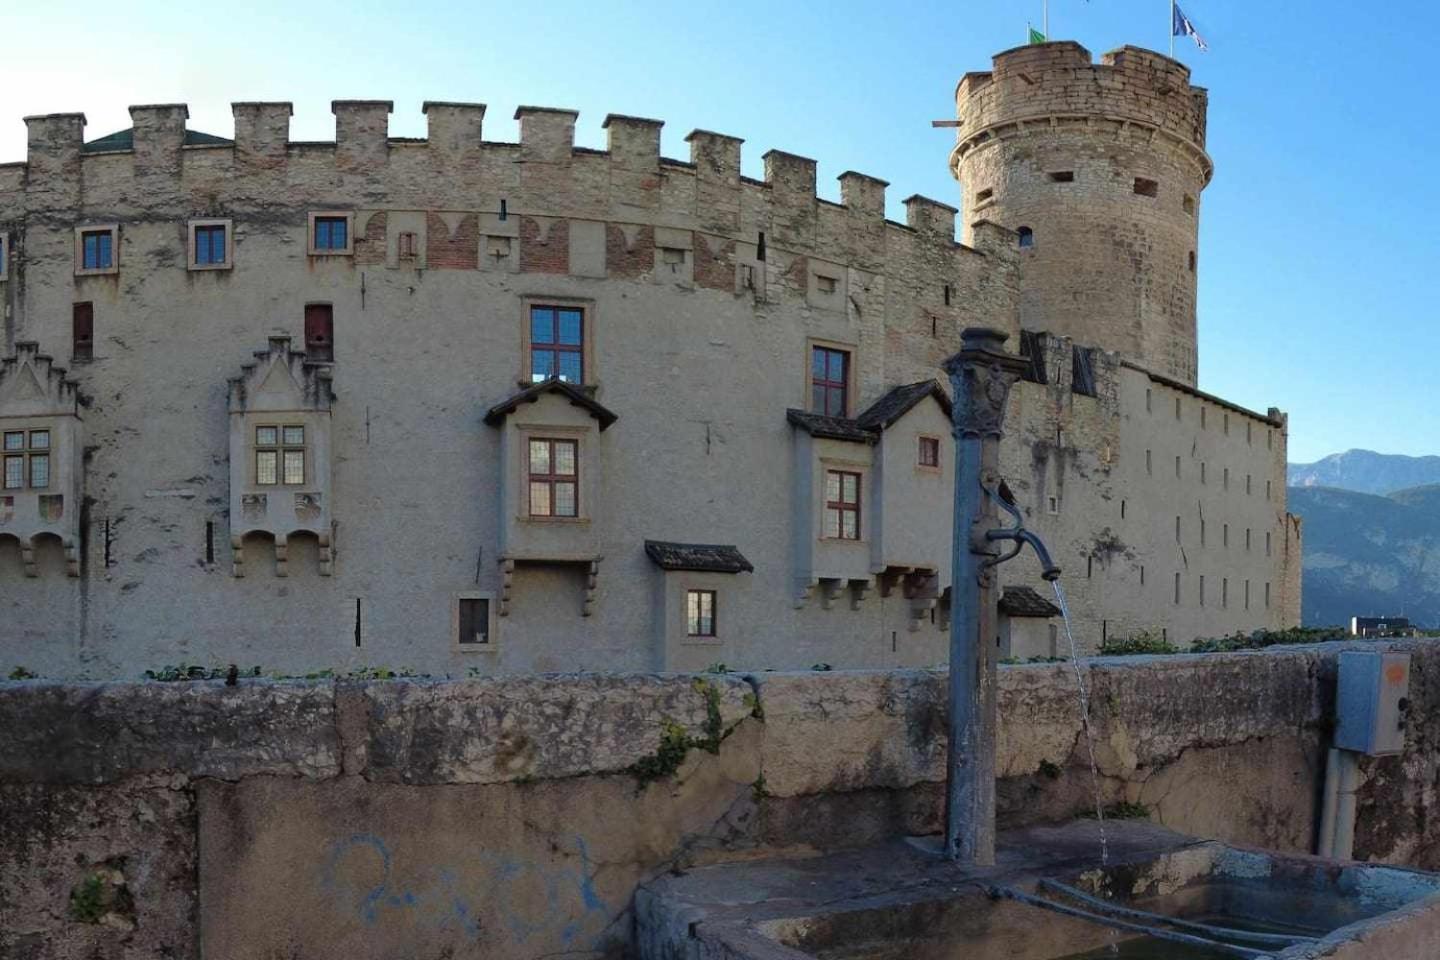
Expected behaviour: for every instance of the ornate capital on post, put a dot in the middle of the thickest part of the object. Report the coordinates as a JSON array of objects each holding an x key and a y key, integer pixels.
[{"x": 981, "y": 376}]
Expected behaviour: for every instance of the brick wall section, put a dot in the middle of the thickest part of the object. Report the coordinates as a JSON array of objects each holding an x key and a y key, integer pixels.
[
  {"x": 370, "y": 246},
  {"x": 635, "y": 260},
  {"x": 714, "y": 263},
  {"x": 452, "y": 251},
  {"x": 544, "y": 251}
]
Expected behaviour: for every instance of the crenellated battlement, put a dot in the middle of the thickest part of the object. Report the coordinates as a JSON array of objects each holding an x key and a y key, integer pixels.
[
  {"x": 454, "y": 167},
  {"x": 1049, "y": 82}
]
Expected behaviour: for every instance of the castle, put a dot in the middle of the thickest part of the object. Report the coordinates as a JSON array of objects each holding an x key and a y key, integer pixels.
[{"x": 481, "y": 407}]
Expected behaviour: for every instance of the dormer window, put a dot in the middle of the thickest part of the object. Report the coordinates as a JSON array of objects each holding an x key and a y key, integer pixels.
[
  {"x": 280, "y": 455},
  {"x": 557, "y": 344}
]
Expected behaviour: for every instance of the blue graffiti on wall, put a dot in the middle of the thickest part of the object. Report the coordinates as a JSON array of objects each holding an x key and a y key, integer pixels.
[{"x": 360, "y": 875}]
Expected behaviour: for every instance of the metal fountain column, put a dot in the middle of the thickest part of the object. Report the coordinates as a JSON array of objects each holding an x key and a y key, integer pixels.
[{"x": 981, "y": 376}]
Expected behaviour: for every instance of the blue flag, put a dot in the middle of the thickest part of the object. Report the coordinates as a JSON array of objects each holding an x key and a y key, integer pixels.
[{"x": 1182, "y": 27}]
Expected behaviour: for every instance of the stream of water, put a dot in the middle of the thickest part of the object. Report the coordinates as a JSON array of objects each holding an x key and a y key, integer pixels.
[{"x": 1084, "y": 698}]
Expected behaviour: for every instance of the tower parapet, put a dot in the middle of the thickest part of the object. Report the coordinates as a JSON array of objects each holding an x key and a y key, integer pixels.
[{"x": 1098, "y": 168}]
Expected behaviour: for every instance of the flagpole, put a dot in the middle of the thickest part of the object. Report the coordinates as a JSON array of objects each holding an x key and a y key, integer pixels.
[{"x": 1171, "y": 29}]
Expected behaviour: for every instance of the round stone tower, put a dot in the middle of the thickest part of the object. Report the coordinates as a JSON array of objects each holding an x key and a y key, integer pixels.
[{"x": 1098, "y": 168}]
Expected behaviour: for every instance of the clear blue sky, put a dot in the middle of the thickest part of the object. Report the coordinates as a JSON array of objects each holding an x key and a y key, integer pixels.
[{"x": 1316, "y": 294}]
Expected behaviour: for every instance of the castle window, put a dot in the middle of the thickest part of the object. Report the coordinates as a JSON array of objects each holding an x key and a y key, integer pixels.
[
  {"x": 1177, "y": 588},
  {"x": 1062, "y": 176},
  {"x": 829, "y": 381},
  {"x": 1082, "y": 380},
  {"x": 1202, "y": 471},
  {"x": 280, "y": 455},
  {"x": 1267, "y": 543},
  {"x": 5, "y": 259},
  {"x": 1053, "y": 505},
  {"x": 700, "y": 613},
  {"x": 1267, "y": 596},
  {"x": 1248, "y": 478},
  {"x": 82, "y": 332},
  {"x": 1249, "y": 432},
  {"x": 1202, "y": 418},
  {"x": 1192, "y": 261},
  {"x": 1202, "y": 589},
  {"x": 842, "y": 505},
  {"x": 1147, "y": 399},
  {"x": 554, "y": 478},
  {"x": 1122, "y": 509},
  {"x": 1149, "y": 464},
  {"x": 1177, "y": 408},
  {"x": 472, "y": 622},
  {"x": 1177, "y": 529},
  {"x": 210, "y": 247},
  {"x": 1225, "y": 481},
  {"x": 1224, "y": 591},
  {"x": 1247, "y": 594},
  {"x": 27, "y": 456},
  {"x": 1247, "y": 539},
  {"x": 408, "y": 248},
  {"x": 95, "y": 249},
  {"x": 320, "y": 331},
  {"x": 929, "y": 452},
  {"x": 557, "y": 344},
  {"x": 1225, "y": 536},
  {"x": 1225, "y": 424},
  {"x": 984, "y": 195},
  {"x": 1145, "y": 187},
  {"x": 823, "y": 283},
  {"x": 1189, "y": 205},
  {"x": 1027, "y": 237},
  {"x": 331, "y": 234},
  {"x": 1177, "y": 467},
  {"x": 1032, "y": 348}
]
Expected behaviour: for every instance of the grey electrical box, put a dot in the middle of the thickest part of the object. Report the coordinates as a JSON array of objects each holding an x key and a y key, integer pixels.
[{"x": 1371, "y": 702}]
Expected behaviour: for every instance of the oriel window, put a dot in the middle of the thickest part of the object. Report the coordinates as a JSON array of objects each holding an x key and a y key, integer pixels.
[
  {"x": 554, "y": 478},
  {"x": 27, "y": 459},
  {"x": 842, "y": 505},
  {"x": 557, "y": 344},
  {"x": 280, "y": 455}
]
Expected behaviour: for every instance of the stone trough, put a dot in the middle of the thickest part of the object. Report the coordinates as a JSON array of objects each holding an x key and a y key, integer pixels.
[{"x": 901, "y": 900}]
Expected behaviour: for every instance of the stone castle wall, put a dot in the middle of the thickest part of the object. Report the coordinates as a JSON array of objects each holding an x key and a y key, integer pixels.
[
  {"x": 1104, "y": 164},
  {"x": 517, "y": 816}
]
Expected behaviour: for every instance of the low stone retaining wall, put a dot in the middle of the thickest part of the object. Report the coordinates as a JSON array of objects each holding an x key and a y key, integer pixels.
[{"x": 515, "y": 817}]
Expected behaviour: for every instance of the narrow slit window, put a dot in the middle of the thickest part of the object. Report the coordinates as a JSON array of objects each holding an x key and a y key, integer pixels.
[
  {"x": 700, "y": 613},
  {"x": 554, "y": 478},
  {"x": 1192, "y": 261},
  {"x": 842, "y": 505},
  {"x": 557, "y": 344}
]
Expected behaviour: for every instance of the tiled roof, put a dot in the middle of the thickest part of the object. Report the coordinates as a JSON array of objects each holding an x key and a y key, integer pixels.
[
  {"x": 710, "y": 557},
  {"x": 1025, "y": 602},
  {"x": 898, "y": 401},
  {"x": 830, "y": 428},
  {"x": 874, "y": 419},
  {"x": 125, "y": 140},
  {"x": 577, "y": 396}
]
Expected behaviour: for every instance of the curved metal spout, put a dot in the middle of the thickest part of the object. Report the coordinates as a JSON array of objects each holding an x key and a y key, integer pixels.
[{"x": 1019, "y": 535}]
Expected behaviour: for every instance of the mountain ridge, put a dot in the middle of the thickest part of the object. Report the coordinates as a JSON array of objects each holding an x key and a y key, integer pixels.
[{"x": 1366, "y": 471}]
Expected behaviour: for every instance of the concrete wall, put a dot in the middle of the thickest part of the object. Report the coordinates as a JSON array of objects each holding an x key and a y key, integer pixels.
[{"x": 517, "y": 816}]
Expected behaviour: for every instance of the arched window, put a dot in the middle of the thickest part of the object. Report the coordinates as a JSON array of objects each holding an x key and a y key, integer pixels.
[{"x": 1027, "y": 237}]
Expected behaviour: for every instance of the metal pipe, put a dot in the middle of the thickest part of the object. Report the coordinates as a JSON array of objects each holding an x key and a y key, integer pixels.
[
  {"x": 1325, "y": 843},
  {"x": 1011, "y": 893},
  {"x": 1345, "y": 806}
]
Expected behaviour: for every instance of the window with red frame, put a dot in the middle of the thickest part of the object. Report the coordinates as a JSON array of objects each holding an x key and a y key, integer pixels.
[
  {"x": 557, "y": 344},
  {"x": 554, "y": 478},
  {"x": 929, "y": 452},
  {"x": 842, "y": 505},
  {"x": 829, "y": 379}
]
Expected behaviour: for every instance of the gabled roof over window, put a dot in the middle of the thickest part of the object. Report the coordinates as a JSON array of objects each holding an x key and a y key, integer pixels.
[
  {"x": 577, "y": 396},
  {"x": 874, "y": 419},
  {"x": 1025, "y": 602},
  {"x": 705, "y": 557}
]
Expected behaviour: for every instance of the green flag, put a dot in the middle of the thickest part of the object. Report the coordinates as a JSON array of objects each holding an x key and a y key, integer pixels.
[{"x": 1036, "y": 36}]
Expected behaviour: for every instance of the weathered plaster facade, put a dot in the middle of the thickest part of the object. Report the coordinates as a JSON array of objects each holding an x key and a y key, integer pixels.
[{"x": 703, "y": 294}]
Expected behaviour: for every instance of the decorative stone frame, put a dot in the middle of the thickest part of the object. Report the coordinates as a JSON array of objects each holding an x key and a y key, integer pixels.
[
  {"x": 114, "y": 230},
  {"x": 851, "y": 380},
  {"x": 348, "y": 250},
  {"x": 492, "y": 626},
  {"x": 585, "y": 464},
  {"x": 588, "y": 362},
  {"x": 229, "y": 263}
]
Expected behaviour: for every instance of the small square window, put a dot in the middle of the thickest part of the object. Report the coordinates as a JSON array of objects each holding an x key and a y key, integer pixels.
[
  {"x": 39, "y": 439},
  {"x": 672, "y": 256},
  {"x": 15, "y": 440},
  {"x": 97, "y": 249},
  {"x": 825, "y": 284},
  {"x": 209, "y": 244},
  {"x": 331, "y": 234},
  {"x": 929, "y": 452},
  {"x": 700, "y": 613},
  {"x": 1145, "y": 187},
  {"x": 265, "y": 436},
  {"x": 294, "y": 435}
]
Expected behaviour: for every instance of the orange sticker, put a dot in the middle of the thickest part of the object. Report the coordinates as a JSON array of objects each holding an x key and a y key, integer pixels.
[{"x": 1395, "y": 673}]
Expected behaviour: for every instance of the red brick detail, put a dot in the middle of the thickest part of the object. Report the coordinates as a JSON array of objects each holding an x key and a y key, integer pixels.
[
  {"x": 714, "y": 267},
  {"x": 370, "y": 249},
  {"x": 452, "y": 251},
  {"x": 629, "y": 261},
  {"x": 550, "y": 255}
]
